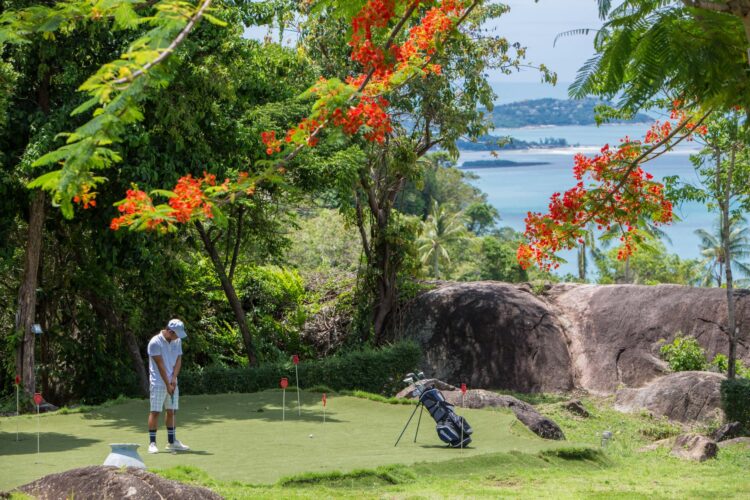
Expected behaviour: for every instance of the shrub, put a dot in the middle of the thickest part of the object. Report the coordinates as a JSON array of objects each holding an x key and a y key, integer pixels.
[
  {"x": 684, "y": 354},
  {"x": 373, "y": 370},
  {"x": 735, "y": 399},
  {"x": 721, "y": 364}
]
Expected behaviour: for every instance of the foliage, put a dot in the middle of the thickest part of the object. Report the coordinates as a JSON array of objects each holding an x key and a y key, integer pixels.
[
  {"x": 712, "y": 250},
  {"x": 650, "y": 266},
  {"x": 439, "y": 230},
  {"x": 720, "y": 363},
  {"x": 647, "y": 46},
  {"x": 612, "y": 191},
  {"x": 735, "y": 399},
  {"x": 684, "y": 354},
  {"x": 324, "y": 241},
  {"x": 373, "y": 370},
  {"x": 273, "y": 298}
]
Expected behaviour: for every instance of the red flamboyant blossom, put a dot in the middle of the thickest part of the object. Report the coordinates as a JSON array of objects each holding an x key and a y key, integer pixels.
[
  {"x": 612, "y": 190},
  {"x": 364, "y": 109}
]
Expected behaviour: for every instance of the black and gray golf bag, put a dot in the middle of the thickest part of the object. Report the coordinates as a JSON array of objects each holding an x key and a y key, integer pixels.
[{"x": 451, "y": 428}]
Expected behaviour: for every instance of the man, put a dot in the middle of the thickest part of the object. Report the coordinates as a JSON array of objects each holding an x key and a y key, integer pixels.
[{"x": 165, "y": 361}]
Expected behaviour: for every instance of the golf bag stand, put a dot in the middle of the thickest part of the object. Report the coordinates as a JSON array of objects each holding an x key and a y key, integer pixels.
[{"x": 451, "y": 428}]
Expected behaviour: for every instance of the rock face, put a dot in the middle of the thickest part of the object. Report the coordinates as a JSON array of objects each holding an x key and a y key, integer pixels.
[
  {"x": 694, "y": 447},
  {"x": 616, "y": 331},
  {"x": 479, "y": 398},
  {"x": 490, "y": 334},
  {"x": 113, "y": 482},
  {"x": 727, "y": 431},
  {"x": 683, "y": 396},
  {"x": 595, "y": 337}
]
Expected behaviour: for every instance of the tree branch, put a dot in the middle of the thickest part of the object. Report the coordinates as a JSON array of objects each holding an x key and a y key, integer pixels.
[{"x": 177, "y": 41}]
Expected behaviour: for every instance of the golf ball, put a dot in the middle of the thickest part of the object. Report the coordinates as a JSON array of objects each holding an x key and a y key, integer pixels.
[{"x": 311, "y": 435}]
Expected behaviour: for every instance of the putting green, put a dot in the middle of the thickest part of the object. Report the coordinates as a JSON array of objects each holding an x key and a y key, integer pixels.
[{"x": 242, "y": 437}]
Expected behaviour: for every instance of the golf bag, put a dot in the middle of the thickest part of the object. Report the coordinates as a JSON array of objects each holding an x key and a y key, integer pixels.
[{"x": 449, "y": 425}]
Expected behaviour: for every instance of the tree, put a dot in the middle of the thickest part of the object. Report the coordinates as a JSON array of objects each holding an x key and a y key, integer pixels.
[
  {"x": 712, "y": 249},
  {"x": 724, "y": 168},
  {"x": 438, "y": 231},
  {"x": 695, "y": 50}
]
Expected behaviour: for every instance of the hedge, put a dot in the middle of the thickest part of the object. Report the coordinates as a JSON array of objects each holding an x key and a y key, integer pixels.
[
  {"x": 373, "y": 370},
  {"x": 735, "y": 398}
]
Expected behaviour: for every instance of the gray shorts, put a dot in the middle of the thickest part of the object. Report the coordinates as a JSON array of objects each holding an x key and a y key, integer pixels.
[{"x": 159, "y": 396}]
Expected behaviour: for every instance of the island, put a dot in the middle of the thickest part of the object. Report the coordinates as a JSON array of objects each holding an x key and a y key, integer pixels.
[
  {"x": 548, "y": 111},
  {"x": 495, "y": 163}
]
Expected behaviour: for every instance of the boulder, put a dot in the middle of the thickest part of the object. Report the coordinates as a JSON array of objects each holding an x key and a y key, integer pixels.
[
  {"x": 479, "y": 398},
  {"x": 736, "y": 441},
  {"x": 489, "y": 334},
  {"x": 694, "y": 447},
  {"x": 727, "y": 431},
  {"x": 662, "y": 443},
  {"x": 616, "y": 331},
  {"x": 576, "y": 407},
  {"x": 682, "y": 396},
  {"x": 113, "y": 482},
  {"x": 593, "y": 337}
]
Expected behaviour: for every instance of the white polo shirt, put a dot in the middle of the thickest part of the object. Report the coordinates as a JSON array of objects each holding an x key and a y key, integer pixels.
[{"x": 169, "y": 352}]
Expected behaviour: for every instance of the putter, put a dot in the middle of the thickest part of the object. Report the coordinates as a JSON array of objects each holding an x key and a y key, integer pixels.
[{"x": 174, "y": 422}]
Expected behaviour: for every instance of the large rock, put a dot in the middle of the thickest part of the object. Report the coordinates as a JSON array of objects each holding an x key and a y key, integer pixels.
[
  {"x": 694, "y": 447},
  {"x": 683, "y": 396},
  {"x": 113, "y": 482},
  {"x": 594, "y": 337},
  {"x": 616, "y": 331},
  {"x": 490, "y": 334},
  {"x": 727, "y": 431}
]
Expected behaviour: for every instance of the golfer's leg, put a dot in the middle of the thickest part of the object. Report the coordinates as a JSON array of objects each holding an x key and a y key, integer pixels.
[{"x": 156, "y": 403}]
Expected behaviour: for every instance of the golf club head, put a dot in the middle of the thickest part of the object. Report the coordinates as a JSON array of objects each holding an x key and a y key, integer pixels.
[
  {"x": 420, "y": 375},
  {"x": 409, "y": 378}
]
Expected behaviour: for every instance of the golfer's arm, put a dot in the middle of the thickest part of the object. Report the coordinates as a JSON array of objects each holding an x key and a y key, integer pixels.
[
  {"x": 162, "y": 370},
  {"x": 177, "y": 367}
]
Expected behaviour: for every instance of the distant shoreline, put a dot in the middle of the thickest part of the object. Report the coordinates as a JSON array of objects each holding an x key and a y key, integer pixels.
[{"x": 482, "y": 164}]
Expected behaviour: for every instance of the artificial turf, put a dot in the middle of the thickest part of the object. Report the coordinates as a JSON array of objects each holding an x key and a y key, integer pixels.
[{"x": 241, "y": 437}]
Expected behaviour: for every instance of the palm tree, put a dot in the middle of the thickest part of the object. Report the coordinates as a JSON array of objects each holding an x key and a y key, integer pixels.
[
  {"x": 712, "y": 250},
  {"x": 439, "y": 230}
]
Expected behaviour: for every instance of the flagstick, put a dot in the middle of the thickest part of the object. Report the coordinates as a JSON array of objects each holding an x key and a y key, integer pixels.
[
  {"x": 283, "y": 404},
  {"x": 462, "y": 424},
  {"x": 37, "y": 433},
  {"x": 17, "y": 412},
  {"x": 296, "y": 376}
]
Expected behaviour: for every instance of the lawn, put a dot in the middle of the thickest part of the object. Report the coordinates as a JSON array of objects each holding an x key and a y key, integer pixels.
[
  {"x": 241, "y": 437},
  {"x": 241, "y": 452}
]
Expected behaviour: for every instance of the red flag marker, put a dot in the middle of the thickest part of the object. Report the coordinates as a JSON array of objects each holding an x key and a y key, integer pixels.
[
  {"x": 18, "y": 380},
  {"x": 463, "y": 388},
  {"x": 324, "y": 399},
  {"x": 295, "y": 359},
  {"x": 283, "y": 383},
  {"x": 38, "y": 398}
]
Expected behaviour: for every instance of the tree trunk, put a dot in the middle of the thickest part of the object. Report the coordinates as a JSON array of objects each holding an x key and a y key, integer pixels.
[
  {"x": 107, "y": 311},
  {"x": 27, "y": 294},
  {"x": 732, "y": 328},
  {"x": 582, "y": 262},
  {"x": 229, "y": 291}
]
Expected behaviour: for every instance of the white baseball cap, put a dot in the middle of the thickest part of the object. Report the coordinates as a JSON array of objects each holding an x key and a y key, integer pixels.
[{"x": 178, "y": 327}]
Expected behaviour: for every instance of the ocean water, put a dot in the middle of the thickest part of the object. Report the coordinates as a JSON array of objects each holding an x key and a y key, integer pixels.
[{"x": 514, "y": 191}]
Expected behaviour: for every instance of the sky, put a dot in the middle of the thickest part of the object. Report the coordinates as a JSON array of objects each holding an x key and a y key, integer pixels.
[{"x": 535, "y": 25}]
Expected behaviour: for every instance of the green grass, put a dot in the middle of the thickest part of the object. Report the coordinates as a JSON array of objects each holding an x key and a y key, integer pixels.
[
  {"x": 241, "y": 437},
  {"x": 244, "y": 453}
]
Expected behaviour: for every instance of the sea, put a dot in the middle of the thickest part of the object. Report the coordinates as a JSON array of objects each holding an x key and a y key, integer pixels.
[{"x": 516, "y": 190}]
